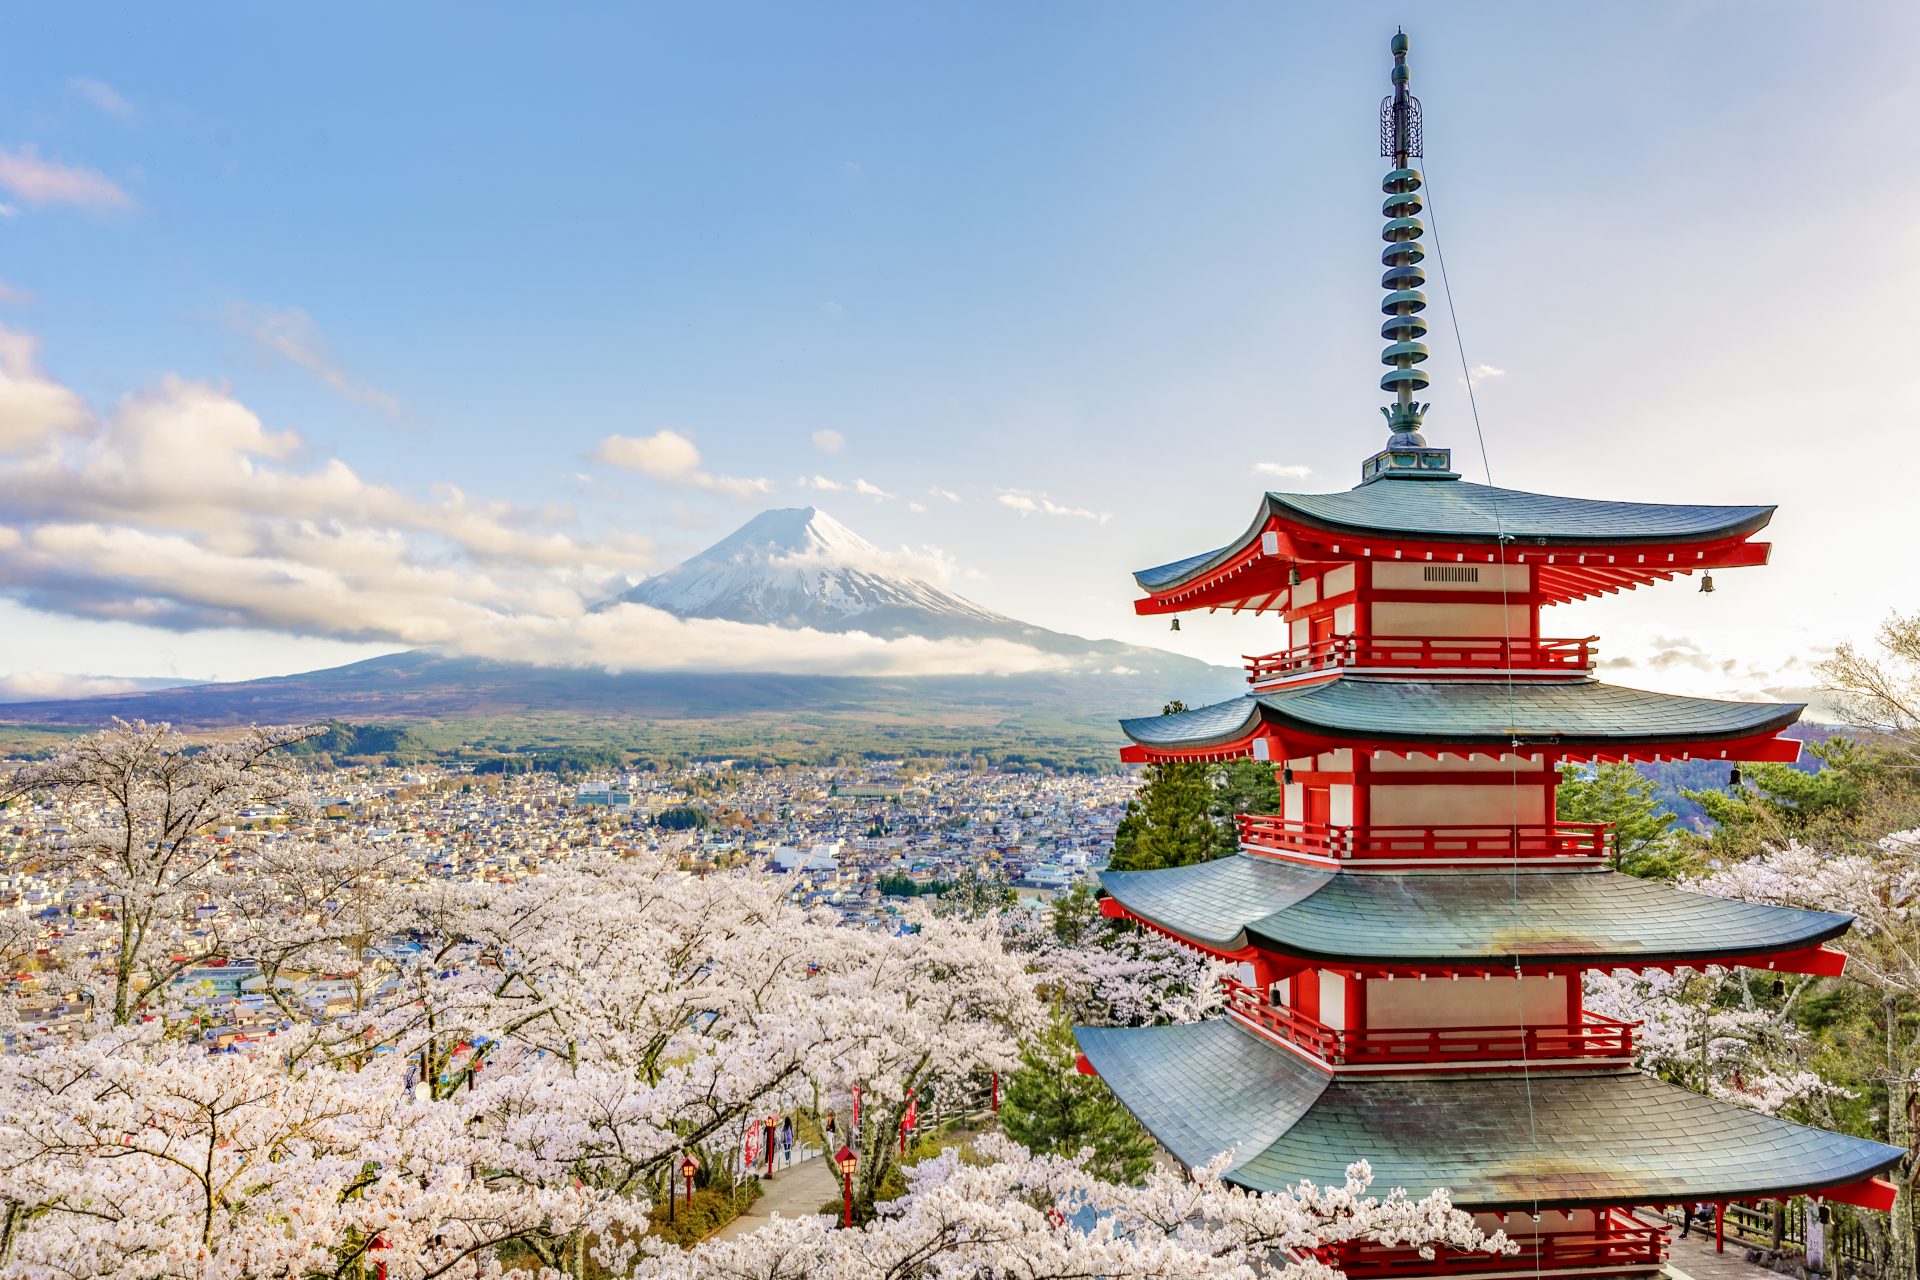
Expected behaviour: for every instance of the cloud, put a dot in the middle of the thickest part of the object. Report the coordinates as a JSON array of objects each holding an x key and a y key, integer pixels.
[
  {"x": 859, "y": 486},
  {"x": 948, "y": 494},
  {"x": 918, "y": 508},
  {"x": 291, "y": 334},
  {"x": 182, "y": 509},
  {"x": 827, "y": 440},
  {"x": 1282, "y": 470},
  {"x": 1485, "y": 373},
  {"x": 12, "y": 295},
  {"x": 33, "y": 406},
  {"x": 39, "y": 182},
  {"x": 48, "y": 686},
  {"x": 671, "y": 458},
  {"x": 102, "y": 97},
  {"x": 1028, "y": 503}
]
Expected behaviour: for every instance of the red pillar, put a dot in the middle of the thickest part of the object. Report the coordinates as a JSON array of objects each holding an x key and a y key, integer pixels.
[
  {"x": 1720, "y": 1227},
  {"x": 996, "y": 1093},
  {"x": 771, "y": 1134}
]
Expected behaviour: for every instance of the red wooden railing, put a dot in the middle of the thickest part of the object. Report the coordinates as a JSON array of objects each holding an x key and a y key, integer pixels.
[
  {"x": 1488, "y": 840},
  {"x": 1592, "y": 1037},
  {"x": 1617, "y": 1239},
  {"x": 1434, "y": 653}
]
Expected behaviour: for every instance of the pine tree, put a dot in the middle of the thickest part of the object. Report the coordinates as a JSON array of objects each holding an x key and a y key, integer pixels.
[
  {"x": 1643, "y": 839},
  {"x": 1170, "y": 822},
  {"x": 1050, "y": 1108}
]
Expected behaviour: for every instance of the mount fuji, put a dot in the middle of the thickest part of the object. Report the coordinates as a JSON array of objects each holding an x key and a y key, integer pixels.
[
  {"x": 789, "y": 568},
  {"x": 799, "y": 567}
]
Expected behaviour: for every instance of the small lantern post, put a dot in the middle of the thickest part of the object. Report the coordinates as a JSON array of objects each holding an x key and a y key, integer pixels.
[{"x": 844, "y": 1160}]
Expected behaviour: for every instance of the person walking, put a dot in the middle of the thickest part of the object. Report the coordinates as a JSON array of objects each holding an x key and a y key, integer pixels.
[
  {"x": 1688, "y": 1212},
  {"x": 786, "y": 1139}
]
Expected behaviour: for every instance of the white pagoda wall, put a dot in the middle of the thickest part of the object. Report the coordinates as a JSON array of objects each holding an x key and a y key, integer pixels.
[
  {"x": 1467, "y": 1002},
  {"x": 1455, "y": 806}
]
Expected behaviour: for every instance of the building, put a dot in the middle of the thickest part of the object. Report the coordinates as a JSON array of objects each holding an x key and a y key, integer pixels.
[{"x": 1411, "y": 932}]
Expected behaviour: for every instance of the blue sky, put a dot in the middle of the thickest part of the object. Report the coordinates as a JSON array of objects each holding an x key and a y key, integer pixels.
[{"x": 1102, "y": 260}]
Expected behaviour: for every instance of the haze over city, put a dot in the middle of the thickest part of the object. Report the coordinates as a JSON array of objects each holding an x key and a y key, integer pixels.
[{"x": 444, "y": 334}]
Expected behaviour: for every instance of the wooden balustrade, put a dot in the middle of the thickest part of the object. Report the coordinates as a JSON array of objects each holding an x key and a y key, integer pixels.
[
  {"x": 1617, "y": 1239},
  {"x": 1488, "y": 840},
  {"x": 1425, "y": 653},
  {"x": 1592, "y": 1037}
]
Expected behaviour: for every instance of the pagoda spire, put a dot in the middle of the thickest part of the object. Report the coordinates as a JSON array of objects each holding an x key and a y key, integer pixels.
[{"x": 1407, "y": 453}]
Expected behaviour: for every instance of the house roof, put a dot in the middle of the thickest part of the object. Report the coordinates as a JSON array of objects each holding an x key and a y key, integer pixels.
[
  {"x": 1463, "y": 711},
  {"x": 1460, "y": 511},
  {"x": 1492, "y": 1141},
  {"x": 1572, "y": 916}
]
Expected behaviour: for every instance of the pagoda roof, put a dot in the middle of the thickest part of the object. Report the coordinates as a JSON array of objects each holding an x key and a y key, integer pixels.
[
  {"x": 1461, "y": 711},
  {"x": 1460, "y": 511},
  {"x": 1492, "y": 1141},
  {"x": 1586, "y": 917}
]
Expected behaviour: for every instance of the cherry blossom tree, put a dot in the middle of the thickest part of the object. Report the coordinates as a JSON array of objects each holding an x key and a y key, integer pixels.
[
  {"x": 1006, "y": 1212},
  {"x": 146, "y": 805}
]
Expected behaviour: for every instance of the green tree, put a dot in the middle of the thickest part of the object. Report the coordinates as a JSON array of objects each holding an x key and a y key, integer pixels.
[
  {"x": 973, "y": 894},
  {"x": 1644, "y": 844},
  {"x": 1245, "y": 786},
  {"x": 1051, "y": 1108},
  {"x": 1171, "y": 822},
  {"x": 1857, "y": 792}
]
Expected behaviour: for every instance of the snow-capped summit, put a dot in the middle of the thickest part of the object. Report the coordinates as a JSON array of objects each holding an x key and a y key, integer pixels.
[{"x": 799, "y": 567}]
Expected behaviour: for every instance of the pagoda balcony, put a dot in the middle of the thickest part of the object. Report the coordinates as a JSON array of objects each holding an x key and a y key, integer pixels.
[
  {"x": 1425, "y": 654},
  {"x": 1422, "y": 1048},
  {"x": 1617, "y": 1241},
  {"x": 1486, "y": 841}
]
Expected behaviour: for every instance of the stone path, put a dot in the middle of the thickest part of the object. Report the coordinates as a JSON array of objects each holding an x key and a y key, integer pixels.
[
  {"x": 1694, "y": 1259},
  {"x": 796, "y": 1191}
]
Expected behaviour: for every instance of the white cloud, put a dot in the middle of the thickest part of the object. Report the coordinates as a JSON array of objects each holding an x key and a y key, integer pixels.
[
  {"x": 102, "y": 97},
  {"x": 39, "y": 181},
  {"x": 12, "y": 295},
  {"x": 291, "y": 334},
  {"x": 671, "y": 458},
  {"x": 1028, "y": 503},
  {"x": 918, "y": 508},
  {"x": 827, "y": 440},
  {"x": 32, "y": 405},
  {"x": 859, "y": 486},
  {"x": 1282, "y": 470},
  {"x": 1485, "y": 373},
  {"x": 182, "y": 509},
  {"x": 48, "y": 686},
  {"x": 948, "y": 494}
]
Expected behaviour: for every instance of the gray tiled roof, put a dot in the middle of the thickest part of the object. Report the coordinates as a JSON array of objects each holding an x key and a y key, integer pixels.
[
  {"x": 1573, "y": 916},
  {"x": 1458, "y": 509},
  {"x": 1465, "y": 711},
  {"x": 1498, "y": 1141}
]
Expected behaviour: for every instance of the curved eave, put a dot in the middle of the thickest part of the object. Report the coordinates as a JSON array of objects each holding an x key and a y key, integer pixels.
[
  {"x": 1493, "y": 1141},
  {"x": 1244, "y": 904},
  {"x": 1242, "y": 571},
  {"x": 1355, "y": 712}
]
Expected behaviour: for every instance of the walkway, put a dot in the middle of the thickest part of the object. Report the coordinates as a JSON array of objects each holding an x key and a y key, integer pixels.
[
  {"x": 798, "y": 1191},
  {"x": 1694, "y": 1259}
]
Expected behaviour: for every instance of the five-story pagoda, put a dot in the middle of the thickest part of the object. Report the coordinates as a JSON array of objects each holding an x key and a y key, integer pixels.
[{"x": 1411, "y": 931}]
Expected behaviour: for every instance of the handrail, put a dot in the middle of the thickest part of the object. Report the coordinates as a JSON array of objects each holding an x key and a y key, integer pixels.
[
  {"x": 1479, "y": 840},
  {"x": 1617, "y": 1239},
  {"x": 1439, "y": 653},
  {"x": 1594, "y": 1036}
]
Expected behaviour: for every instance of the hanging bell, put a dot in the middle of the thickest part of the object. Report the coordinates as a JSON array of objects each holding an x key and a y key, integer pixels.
[
  {"x": 1733, "y": 777},
  {"x": 1706, "y": 583},
  {"x": 1779, "y": 988},
  {"x": 1293, "y": 576},
  {"x": 1175, "y": 626},
  {"x": 1286, "y": 775}
]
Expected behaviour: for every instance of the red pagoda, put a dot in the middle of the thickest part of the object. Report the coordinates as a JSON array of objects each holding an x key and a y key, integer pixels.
[{"x": 1411, "y": 931}]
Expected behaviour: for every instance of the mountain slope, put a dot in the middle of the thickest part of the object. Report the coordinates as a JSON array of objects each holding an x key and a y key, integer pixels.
[{"x": 799, "y": 567}]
